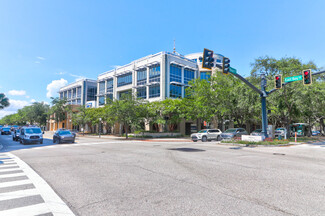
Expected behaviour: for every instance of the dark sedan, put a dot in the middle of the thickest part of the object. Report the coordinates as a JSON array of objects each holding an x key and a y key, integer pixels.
[
  {"x": 62, "y": 136},
  {"x": 5, "y": 131}
]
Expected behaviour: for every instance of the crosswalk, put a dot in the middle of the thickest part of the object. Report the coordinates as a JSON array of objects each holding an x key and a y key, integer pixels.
[{"x": 24, "y": 193}]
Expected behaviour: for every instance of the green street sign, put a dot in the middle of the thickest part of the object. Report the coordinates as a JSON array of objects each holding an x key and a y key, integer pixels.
[
  {"x": 232, "y": 70},
  {"x": 292, "y": 79}
]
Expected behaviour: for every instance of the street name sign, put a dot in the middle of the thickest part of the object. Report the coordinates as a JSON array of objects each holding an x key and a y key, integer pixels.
[
  {"x": 292, "y": 79},
  {"x": 232, "y": 70}
]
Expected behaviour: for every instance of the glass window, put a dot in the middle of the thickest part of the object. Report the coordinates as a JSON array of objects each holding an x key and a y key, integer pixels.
[
  {"x": 78, "y": 101},
  {"x": 154, "y": 73},
  {"x": 79, "y": 92},
  {"x": 142, "y": 92},
  {"x": 102, "y": 87},
  {"x": 32, "y": 130},
  {"x": 142, "y": 76},
  {"x": 74, "y": 93},
  {"x": 91, "y": 93},
  {"x": 154, "y": 91},
  {"x": 110, "y": 86},
  {"x": 205, "y": 75},
  {"x": 201, "y": 59},
  {"x": 65, "y": 94},
  {"x": 194, "y": 60},
  {"x": 110, "y": 96},
  {"x": 69, "y": 94},
  {"x": 175, "y": 73},
  {"x": 124, "y": 94},
  {"x": 175, "y": 91},
  {"x": 61, "y": 95},
  {"x": 101, "y": 100},
  {"x": 124, "y": 79},
  {"x": 65, "y": 132},
  {"x": 188, "y": 75}
]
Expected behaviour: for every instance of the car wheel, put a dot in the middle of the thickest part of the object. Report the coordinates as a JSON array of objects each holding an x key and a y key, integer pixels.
[
  {"x": 204, "y": 139},
  {"x": 23, "y": 142},
  {"x": 54, "y": 140},
  {"x": 41, "y": 142},
  {"x": 72, "y": 141},
  {"x": 194, "y": 140},
  {"x": 218, "y": 138},
  {"x": 13, "y": 139},
  {"x": 59, "y": 141}
]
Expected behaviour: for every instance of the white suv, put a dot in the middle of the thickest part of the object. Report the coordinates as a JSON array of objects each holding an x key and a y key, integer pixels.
[{"x": 207, "y": 135}]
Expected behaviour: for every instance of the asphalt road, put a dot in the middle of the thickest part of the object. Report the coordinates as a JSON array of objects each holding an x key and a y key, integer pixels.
[{"x": 112, "y": 177}]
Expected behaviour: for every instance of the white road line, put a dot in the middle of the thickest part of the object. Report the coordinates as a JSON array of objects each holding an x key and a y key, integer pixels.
[
  {"x": 15, "y": 183},
  {"x": 27, "y": 210},
  {"x": 18, "y": 194},
  {"x": 9, "y": 170},
  {"x": 52, "y": 200},
  {"x": 12, "y": 175}
]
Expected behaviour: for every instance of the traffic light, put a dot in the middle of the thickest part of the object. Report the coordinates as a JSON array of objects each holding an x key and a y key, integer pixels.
[
  {"x": 207, "y": 61},
  {"x": 306, "y": 76},
  {"x": 278, "y": 81},
  {"x": 225, "y": 65}
]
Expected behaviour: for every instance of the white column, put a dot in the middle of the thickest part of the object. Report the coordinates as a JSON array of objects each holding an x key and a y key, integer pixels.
[
  {"x": 147, "y": 87},
  {"x": 183, "y": 82}
]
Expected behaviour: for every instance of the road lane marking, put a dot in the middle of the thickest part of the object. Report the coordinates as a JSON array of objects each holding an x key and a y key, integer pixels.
[
  {"x": 51, "y": 199},
  {"x": 12, "y": 175},
  {"x": 9, "y": 170},
  {"x": 15, "y": 183},
  {"x": 31, "y": 210},
  {"x": 18, "y": 194}
]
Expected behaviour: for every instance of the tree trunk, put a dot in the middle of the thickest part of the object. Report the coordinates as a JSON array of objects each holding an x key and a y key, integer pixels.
[
  {"x": 83, "y": 129},
  {"x": 126, "y": 131}
]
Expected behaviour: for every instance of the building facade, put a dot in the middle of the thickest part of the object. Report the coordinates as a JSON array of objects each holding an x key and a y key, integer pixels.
[
  {"x": 154, "y": 77},
  {"x": 80, "y": 92}
]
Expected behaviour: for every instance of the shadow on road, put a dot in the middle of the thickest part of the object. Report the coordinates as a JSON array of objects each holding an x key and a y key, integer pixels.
[
  {"x": 186, "y": 149},
  {"x": 9, "y": 145}
]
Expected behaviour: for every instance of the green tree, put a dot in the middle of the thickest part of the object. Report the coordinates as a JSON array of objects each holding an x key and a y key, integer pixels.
[
  {"x": 127, "y": 111},
  {"x": 4, "y": 101},
  {"x": 81, "y": 118},
  {"x": 59, "y": 110}
]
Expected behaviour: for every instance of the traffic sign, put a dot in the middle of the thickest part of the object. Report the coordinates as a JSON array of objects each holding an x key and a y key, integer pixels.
[
  {"x": 232, "y": 70},
  {"x": 292, "y": 79}
]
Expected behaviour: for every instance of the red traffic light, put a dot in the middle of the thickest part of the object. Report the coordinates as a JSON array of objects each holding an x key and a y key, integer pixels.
[
  {"x": 277, "y": 78},
  {"x": 306, "y": 72}
]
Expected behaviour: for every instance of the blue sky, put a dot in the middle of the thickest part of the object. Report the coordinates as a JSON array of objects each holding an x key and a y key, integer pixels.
[{"x": 45, "y": 44}]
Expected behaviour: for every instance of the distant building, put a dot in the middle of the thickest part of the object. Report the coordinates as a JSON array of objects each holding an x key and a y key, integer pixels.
[
  {"x": 154, "y": 77},
  {"x": 80, "y": 92}
]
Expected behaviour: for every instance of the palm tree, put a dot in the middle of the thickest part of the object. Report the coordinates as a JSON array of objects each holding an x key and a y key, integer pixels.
[{"x": 4, "y": 101}]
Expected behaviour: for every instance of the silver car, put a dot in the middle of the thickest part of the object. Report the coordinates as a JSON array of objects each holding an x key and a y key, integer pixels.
[
  {"x": 206, "y": 135},
  {"x": 233, "y": 132},
  {"x": 257, "y": 132}
]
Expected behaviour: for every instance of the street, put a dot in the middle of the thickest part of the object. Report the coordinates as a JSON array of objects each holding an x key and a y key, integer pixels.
[{"x": 114, "y": 177}]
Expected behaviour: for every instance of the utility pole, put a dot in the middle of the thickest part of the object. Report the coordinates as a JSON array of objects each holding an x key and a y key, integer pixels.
[{"x": 263, "y": 102}]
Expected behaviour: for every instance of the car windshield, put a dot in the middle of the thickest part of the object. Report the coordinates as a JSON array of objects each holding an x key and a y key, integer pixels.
[
  {"x": 202, "y": 131},
  {"x": 64, "y": 132},
  {"x": 231, "y": 130},
  {"x": 258, "y": 130},
  {"x": 32, "y": 130},
  {"x": 6, "y": 129}
]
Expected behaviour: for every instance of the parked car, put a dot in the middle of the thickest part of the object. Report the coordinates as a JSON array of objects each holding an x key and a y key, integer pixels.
[
  {"x": 316, "y": 133},
  {"x": 206, "y": 135},
  {"x": 15, "y": 135},
  {"x": 5, "y": 131},
  {"x": 257, "y": 132},
  {"x": 233, "y": 132},
  {"x": 280, "y": 132},
  {"x": 31, "y": 135},
  {"x": 61, "y": 136}
]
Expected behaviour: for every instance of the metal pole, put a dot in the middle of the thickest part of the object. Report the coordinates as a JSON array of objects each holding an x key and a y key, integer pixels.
[{"x": 263, "y": 102}]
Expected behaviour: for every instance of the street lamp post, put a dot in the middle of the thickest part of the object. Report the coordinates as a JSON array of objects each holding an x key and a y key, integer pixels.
[{"x": 99, "y": 127}]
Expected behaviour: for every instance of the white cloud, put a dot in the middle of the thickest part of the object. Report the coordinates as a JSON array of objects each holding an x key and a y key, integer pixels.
[
  {"x": 32, "y": 100},
  {"x": 61, "y": 73},
  {"x": 17, "y": 92},
  {"x": 15, "y": 105},
  {"x": 40, "y": 58},
  {"x": 27, "y": 96},
  {"x": 54, "y": 87}
]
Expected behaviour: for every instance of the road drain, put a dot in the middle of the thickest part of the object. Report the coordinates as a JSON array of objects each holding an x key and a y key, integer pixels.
[{"x": 279, "y": 154}]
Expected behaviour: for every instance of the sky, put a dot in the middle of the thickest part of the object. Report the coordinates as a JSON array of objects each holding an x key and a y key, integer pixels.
[{"x": 45, "y": 45}]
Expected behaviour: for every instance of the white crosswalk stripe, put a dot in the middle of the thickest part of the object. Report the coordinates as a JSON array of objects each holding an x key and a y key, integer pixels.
[{"x": 31, "y": 196}]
